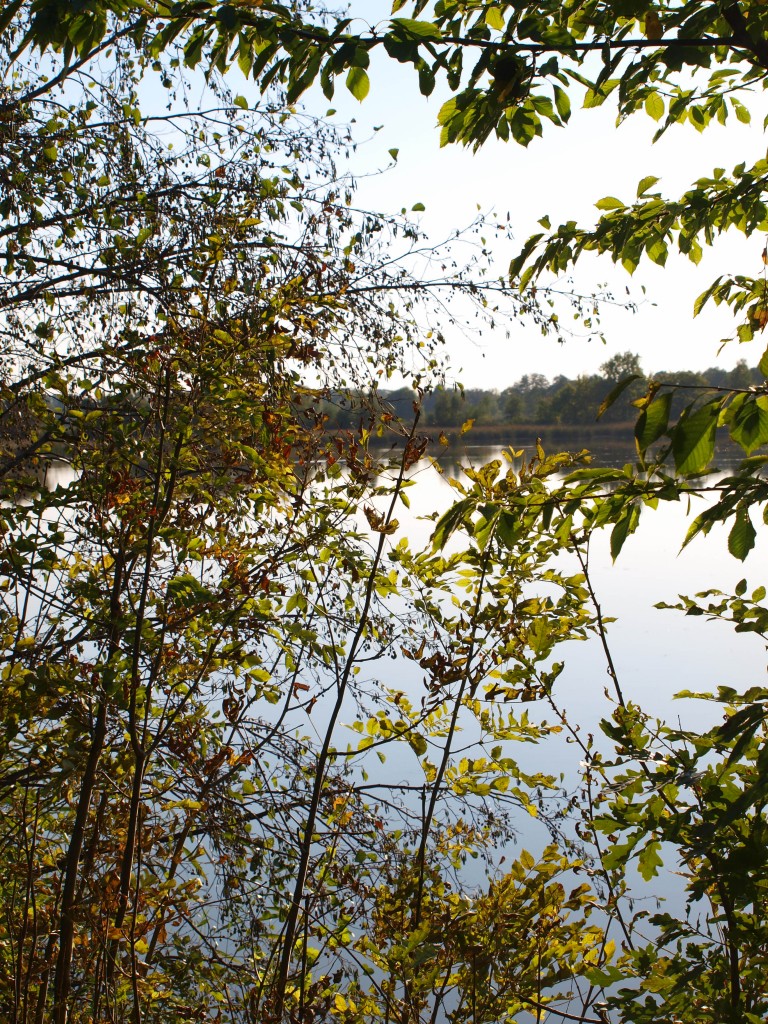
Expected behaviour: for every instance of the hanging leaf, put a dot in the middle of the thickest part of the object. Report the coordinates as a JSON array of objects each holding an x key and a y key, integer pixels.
[
  {"x": 749, "y": 424},
  {"x": 358, "y": 83},
  {"x": 626, "y": 525},
  {"x": 616, "y": 392},
  {"x": 693, "y": 439},
  {"x": 649, "y": 861},
  {"x": 449, "y": 522},
  {"x": 741, "y": 539},
  {"x": 653, "y": 421}
]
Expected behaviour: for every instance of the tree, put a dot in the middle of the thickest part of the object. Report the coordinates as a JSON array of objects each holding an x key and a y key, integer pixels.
[
  {"x": 511, "y": 70},
  {"x": 450, "y": 409},
  {"x": 190, "y": 608},
  {"x": 692, "y": 63},
  {"x": 623, "y": 364},
  {"x": 511, "y": 405}
]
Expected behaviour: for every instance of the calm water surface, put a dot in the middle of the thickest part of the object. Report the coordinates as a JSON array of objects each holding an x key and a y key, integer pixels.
[{"x": 657, "y": 653}]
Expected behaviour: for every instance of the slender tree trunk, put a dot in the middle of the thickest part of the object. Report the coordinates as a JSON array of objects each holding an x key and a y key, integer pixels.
[
  {"x": 62, "y": 978},
  {"x": 291, "y": 924}
]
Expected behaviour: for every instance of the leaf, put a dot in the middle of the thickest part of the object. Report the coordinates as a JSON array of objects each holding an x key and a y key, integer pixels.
[
  {"x": 417, "y": 743},
  {"x": 610, "y": 203},
  {"x": 741, "y": 539},
  {"x": 645, "y": 183},
  {"x": 742, "y": 114},
  {"x": 749, "y": 425},
  {"x": 616, "y": 392},
  {"x": 562, "y": 103},
  {"x": 188, "y": 591},
  {"x": 626, "y": 525},
  {"x": 518, "y": 262},
  {"x": 654, "y": 106},
  {"x": 596, "y": 97},
  {"x": 417, "y": 29},
  {"x": 705, "y": 296},
  {"x": 358, "y": 83},
  {"x": 693, "y": 438},
  {"x": 654, "y": 29},
  {"x": 449, "y": 522},
  {"x": 652, "y": 421},
  {"x": 649, "y": 861},
  {"x": 418, "y": 208},
  {"x": 508, "y": 529}
]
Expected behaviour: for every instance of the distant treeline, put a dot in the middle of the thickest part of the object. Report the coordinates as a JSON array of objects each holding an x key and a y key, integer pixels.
[{"x": 535, "y": 399}]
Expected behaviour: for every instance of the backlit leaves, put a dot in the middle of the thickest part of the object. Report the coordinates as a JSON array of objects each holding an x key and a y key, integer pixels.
[{"x": 693, "y": 438}]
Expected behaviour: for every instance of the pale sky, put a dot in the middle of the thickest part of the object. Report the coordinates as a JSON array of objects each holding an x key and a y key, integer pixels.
[{"x": 561, "y": 175}]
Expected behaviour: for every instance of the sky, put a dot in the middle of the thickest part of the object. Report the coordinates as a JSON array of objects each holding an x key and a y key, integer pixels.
[{"x": 562, "y": 176}]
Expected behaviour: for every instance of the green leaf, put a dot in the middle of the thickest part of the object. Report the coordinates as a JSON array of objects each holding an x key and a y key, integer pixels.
[
  {"x": 508, "y": 529},
  {"x": 649, "y": 861},
  {"x": 449, "y": 522},
  {"x": 417, "y": 29},
  {"x": 610, "y": 203},
  {"x": 741, "y": 111},
  {"x": 705, "y": 296},
  {"x": 645, "y": 183},
  {"x": 562, "y": 103},
  {"x": 358, "y": 83},
  {"x": 417, "y": 743},
  {"x": 626, "y": 525},
  {"x": 596, "y": 97},
  {"x": 188, "y": 591},
  {"x": 693, "y": 439},
  {"x": 652, "y": 421},
  {"x": 749, "y": 425},
  {"x": 616, "y": 392},
  {"x": 519, "y": 261},
  {"x": 741, "y": 539},
  {"x": 240, "y": 101},
  {"x": 494, "y": 19}
]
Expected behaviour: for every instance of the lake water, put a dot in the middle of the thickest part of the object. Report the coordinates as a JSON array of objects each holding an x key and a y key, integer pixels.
[{"x": 657, "y": 653}]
